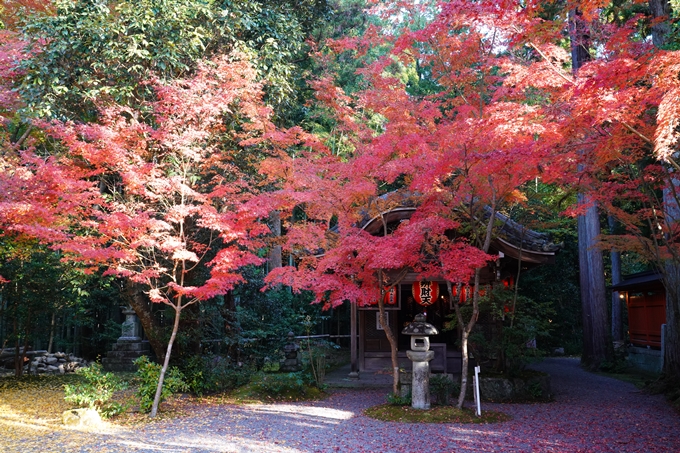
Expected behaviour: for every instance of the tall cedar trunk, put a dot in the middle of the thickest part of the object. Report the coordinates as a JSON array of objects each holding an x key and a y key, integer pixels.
[
  {"x": 166, "y": 360},
  {"x": 671, "y": 359},
  {"x": 134, "y": 296},
  {"x": 661, "y": 12},
  {"x": 671, "y": 281},
  {"x": 617, "y": 316},
  {"x": 596, "y": 348},
  {"x": 596, "y": 339}
]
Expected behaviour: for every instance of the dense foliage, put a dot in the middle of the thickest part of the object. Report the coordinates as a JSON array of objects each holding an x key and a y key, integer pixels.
[{"x": 146, "y": 146}]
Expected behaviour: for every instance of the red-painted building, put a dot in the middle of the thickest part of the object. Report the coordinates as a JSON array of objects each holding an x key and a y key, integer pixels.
[{"x": 645, "y": 298}]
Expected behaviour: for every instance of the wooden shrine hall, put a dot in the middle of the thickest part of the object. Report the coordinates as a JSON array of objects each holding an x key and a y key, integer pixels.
[{"x": 413, "y": 296}]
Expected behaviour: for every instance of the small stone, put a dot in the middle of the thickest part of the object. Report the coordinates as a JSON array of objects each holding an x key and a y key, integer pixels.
[
  {"x": 83, "y": 418},
  {"x": 51, "y": 360}
]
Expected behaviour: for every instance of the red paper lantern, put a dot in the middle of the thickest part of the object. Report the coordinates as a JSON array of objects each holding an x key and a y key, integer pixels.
[
  {"x": 425, "y": 293},
  {"x": 390, "y": 296}
]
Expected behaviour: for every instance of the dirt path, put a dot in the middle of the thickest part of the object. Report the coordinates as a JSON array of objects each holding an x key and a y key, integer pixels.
[{"x": 591, "y": 414}]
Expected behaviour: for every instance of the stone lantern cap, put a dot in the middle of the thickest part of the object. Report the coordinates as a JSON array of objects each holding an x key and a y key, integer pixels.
[{"x": 420, "y": 327}]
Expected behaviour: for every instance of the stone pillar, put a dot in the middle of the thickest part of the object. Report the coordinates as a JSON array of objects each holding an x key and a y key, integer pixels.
[
  {"x": 292, "y": 361},
  {"x": 420, "y": 354},
  {"x": 420, "y": 384},
  {"x": 128, "y": 347},
  {"x": 130, "y": 327}
]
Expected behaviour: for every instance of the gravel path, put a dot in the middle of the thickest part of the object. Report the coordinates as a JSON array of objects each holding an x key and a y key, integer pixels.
[{"x": 591, "y": 414}]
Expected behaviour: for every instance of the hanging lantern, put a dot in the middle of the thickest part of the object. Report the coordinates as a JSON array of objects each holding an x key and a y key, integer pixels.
[
  {"x": 390, "y": 296},
  {"x": 509, "y": 282},
  {"x": 425, "y": 293}
]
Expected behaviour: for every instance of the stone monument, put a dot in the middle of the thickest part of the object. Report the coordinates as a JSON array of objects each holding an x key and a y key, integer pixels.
[
  {"x": 129, "y": 346},
  {"x": 292, "y": 361},
  {"x": 420, "y": 354}
]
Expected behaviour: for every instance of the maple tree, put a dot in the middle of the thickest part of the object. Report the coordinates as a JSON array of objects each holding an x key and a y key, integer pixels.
[
  {"x": 457, "y": 155},
  {"x": 159, "y": 201},
  {"x": 622, "y": 122}
]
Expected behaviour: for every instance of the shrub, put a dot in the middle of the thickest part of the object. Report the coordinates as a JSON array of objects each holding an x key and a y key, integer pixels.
[
  {"x": 442, "y": 388},
  {"x": 281, "y": 385},
  {"x": 97, "y": 391},
  {"x": 211, "y": 374},
  {"x": 149, "y": 372},
  {"x": 398, "y": 400}
]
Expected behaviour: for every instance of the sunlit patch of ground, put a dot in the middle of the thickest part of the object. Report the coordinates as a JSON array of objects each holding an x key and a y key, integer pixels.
[{"x": 31, "y": 412}]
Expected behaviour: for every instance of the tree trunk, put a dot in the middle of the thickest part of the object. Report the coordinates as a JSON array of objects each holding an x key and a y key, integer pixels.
[
  {"x": 134, "y": 295},
  {"x": 166, "y": 360},
  {"x": 464, "y": 368},
  {"x": 53, "y": 324},
  {"x": 596, "y": 341},
  {"x": 275, "y": 257},
  {"x": 661, "y": 13},
  {"x": 671, "y": 359},
  {"x": 617, "y": 317},
  {"x": 390, "y": 336}
]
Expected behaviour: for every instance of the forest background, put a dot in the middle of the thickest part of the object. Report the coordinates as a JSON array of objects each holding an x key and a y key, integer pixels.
[{"x": 168, "y": 155}]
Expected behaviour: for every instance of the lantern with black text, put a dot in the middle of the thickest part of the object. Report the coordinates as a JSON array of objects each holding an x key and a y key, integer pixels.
[
  {"x": 425, "y": 293},
  {"x": 390, "y": 297}
]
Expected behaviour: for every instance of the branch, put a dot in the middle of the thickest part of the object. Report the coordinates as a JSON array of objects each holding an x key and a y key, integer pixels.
[{"x": 23, "y": 137}]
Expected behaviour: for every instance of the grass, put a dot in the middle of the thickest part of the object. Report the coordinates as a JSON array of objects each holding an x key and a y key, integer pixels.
[
  {"x": 639, "y": 378},
  {"x": 437, "y": 414},
  {"x": 249, "y": 395}
]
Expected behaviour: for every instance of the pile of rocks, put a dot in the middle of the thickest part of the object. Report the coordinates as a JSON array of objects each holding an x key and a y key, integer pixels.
[{"x": 57, "y": 363}]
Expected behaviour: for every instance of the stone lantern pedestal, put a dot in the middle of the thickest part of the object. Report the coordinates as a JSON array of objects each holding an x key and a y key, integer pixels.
[
  {"x": 129, "y": 346},
  {"x": 292, "y": 361},
  {"x": 420, "y": 355}
]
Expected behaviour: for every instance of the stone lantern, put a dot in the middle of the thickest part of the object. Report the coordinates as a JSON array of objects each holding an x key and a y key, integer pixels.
[
  {"x": 420, "y": 355},
  {"x": 292, "y": 362}
]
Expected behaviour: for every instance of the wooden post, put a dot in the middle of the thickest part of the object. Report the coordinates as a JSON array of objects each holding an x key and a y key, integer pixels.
[{"x": 354, "y": 371}]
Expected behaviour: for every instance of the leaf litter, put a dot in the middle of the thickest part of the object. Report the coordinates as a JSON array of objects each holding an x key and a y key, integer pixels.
[{"x": 591, "y": 413}]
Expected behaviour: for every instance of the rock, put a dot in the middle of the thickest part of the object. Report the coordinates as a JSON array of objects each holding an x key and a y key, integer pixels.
[
  {"x": 81, "y": 418},
  {"x": 558, "y": 351},
  {"x": 52, "y": 369},
  {"x": 61, "y": 369},
  {"x": 51, "y": 360}
]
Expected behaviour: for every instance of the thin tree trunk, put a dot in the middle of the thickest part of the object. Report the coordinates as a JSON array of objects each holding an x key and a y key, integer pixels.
[
  {"x": 275, "y": 257},
  {"x": 27, "y": 331},
  {"x": 519, "y": 274},
  {"x": 166, "y": 360},
  {"x": 17, "y": 372},
  {"x": 52, "y": 327},
  {"x": 467, "y": 329},
  {"x": 391, "y": 338}
]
